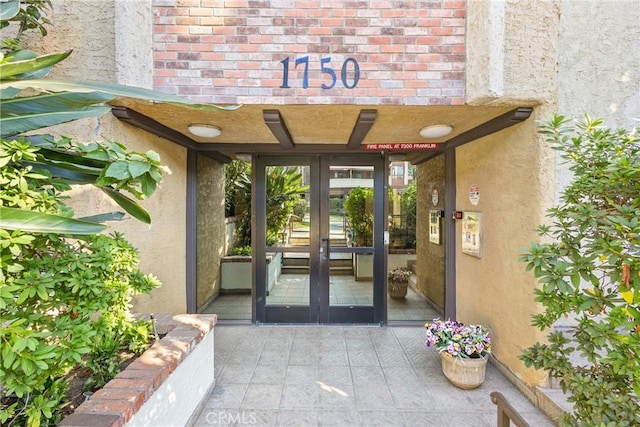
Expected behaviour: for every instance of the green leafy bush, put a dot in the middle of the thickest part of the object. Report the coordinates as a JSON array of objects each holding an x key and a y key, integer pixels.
[
  {"x": 588, "y": 267},
  {"x": 241, "y": 250},
  {"x": 284, "y": 187},
  {"x": 358, "y": 208},
  {"x": 62, "y": 297}
]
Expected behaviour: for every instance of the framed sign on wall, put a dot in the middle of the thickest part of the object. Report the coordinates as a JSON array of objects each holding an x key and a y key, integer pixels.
[
  {"x": 472, "y": 233},
  {"x": 434, "y": 226}
]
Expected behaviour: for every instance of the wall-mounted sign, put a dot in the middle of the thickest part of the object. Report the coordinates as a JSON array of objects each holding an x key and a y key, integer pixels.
[
  {"x": 349, "y": 79},
  {"x": 402, "y": 146},
  {"x": 474, "y": 195},
  {"x": 434, "y": 226},
  {"x": 472, "y": 233},
  {"x": 434, "y": 197}
]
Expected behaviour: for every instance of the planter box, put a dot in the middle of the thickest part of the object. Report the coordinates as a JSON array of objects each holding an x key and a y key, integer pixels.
[
  {"x": 235, "y": 272},
  {"x": 363, "y": 266},
  {"x": 165, "y": 386}
]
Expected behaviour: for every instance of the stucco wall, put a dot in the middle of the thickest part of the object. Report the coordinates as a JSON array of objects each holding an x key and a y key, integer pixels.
[
  {"x": 430, "y": 256},
  {"x": 512, "y": 59},
  {"x": 512, "y": 51},
  {"x": 89, "y": 28},
  {"x": 162, "y": 244},
  {"x": 570, "y": 57},
  {"x": 211, "y": 228},
  {"x": 512, "y": 175},
  {"x": 599, "y": 68}
]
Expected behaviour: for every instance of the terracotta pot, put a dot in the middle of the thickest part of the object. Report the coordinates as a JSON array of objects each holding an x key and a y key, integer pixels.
[
  {"x": 463, "y": 372},
  {"x": 397, "y": 290}
]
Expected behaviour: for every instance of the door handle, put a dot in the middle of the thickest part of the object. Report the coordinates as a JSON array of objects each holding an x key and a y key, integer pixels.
[{"x": 324, "y": 249}]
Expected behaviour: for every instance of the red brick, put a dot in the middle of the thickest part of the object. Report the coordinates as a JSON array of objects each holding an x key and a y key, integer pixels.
[
  {"x": 78, "y": 419},
  {"x": 200, "y": 11},
  {"x": 211, "y": 20},
  {"x": 187, "y": 20},
  {"x": 133, "y": 396},
  {"x": 107, "y": 407},
  {"x": 188, "y": 2},
  {"x": 380, "y": 40},
  {"x": 144, "y": 385},
  {"x": 155, "y": 375}
]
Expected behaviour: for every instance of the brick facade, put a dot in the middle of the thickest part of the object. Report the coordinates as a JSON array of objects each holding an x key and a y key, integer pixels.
[{"x": 230, "y": 51}]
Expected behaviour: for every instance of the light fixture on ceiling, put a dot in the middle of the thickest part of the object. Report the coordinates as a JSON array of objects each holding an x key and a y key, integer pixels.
[
  {"x": 435, "y": 131},
  {"x": 205, "y": 131}
]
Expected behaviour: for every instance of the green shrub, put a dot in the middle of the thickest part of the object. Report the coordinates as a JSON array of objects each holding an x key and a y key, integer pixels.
[
  {"x": 284, "y": 187},
  {"x": 588, "y": 268},
  {"x": 62, "y": 298},
  {"x": 241, "y": 250},
  {"x": 300, "y": 209},
  {"x": 358, "y": 208}
]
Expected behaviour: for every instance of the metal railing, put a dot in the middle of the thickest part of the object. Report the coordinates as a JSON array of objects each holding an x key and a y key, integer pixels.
[{"x": 506, "y": 412}]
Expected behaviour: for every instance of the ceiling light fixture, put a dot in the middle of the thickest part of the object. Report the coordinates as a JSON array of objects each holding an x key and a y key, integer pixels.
[
  {"x": 435, "y": 131},
  {"x": 205, "y": 131}
]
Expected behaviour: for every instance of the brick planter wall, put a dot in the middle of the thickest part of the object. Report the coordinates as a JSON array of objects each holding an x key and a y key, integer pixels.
[
  {"x": 409, "y": 52},
  {"x": 123, "y": 399}
]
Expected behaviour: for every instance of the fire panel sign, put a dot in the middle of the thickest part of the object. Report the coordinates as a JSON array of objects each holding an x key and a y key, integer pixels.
[{"x": 402, "y": 146}]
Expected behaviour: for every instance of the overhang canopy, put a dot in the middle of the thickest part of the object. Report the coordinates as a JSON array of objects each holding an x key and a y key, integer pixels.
[{"x": 299, "y": 129}]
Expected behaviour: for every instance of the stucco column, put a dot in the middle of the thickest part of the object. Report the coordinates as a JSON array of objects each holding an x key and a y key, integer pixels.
[{"x": 134, "y": 43}]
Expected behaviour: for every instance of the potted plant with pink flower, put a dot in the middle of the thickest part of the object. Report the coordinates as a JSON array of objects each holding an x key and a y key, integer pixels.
[
  {"x": 398, "y": 282},
  {"x": 464, "y": 350}
]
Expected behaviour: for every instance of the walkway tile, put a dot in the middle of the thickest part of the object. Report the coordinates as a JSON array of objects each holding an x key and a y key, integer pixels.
[
  {"x": 336, "y": 396},
  {"x": 409, "y": 396},
  {"x": 363, "y": 358},
  {"x": 262, "y": 396},
  {"x": 336, "y": 375},
  {"x": 381, "y": 418},
  {"x": 392, "y": 358},
  {"x": 297, "y": 418},
  {"x": 301, "y": 375},
  {"x": 338, "y": 417},
  {"x": 297, "y": 396},
  {"x": 365, "y": 375},
  {"x": 227, "y": 396},
  {"x": 373, "y": 397},
  {"x": 333, "y": 358},
  {"x": 269, "y": 374},
  {"x": 235, "y": 374},
  {"x": 347, "y": 376}
]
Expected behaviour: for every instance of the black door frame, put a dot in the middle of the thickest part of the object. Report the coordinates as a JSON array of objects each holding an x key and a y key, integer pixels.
[{"x": 319, "y": 309}]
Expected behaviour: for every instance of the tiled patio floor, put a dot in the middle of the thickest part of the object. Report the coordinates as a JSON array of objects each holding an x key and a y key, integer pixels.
[
  {"x": 344, "y": 376},
  {"x": 293, "y": 289}
]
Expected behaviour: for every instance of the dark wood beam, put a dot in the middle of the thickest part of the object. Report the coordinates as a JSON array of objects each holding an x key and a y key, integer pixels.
[
  {"x": 275, "y": 148},
  {"x": 146, "y": 123},
  {"x": 494, "y": 125},
  {"x": 366, "y": 119},
  {"x": 276, "y": 124}
]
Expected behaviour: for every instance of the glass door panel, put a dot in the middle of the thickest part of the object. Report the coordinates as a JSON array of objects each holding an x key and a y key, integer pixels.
[
  {"x": 285, "y": 222},
  {"x": 314, "y": 262},
  {"x": 348, "y": 226}
]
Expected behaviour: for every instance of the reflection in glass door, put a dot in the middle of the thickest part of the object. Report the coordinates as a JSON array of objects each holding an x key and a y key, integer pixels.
[{"x": 322, "y": 260}]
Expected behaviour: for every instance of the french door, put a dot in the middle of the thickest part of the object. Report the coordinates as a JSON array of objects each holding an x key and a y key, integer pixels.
[{"x": 314, "y": 263}]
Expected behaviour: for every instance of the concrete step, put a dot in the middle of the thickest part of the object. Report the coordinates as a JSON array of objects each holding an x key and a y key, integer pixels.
[{"x": 305, "y": 241}]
